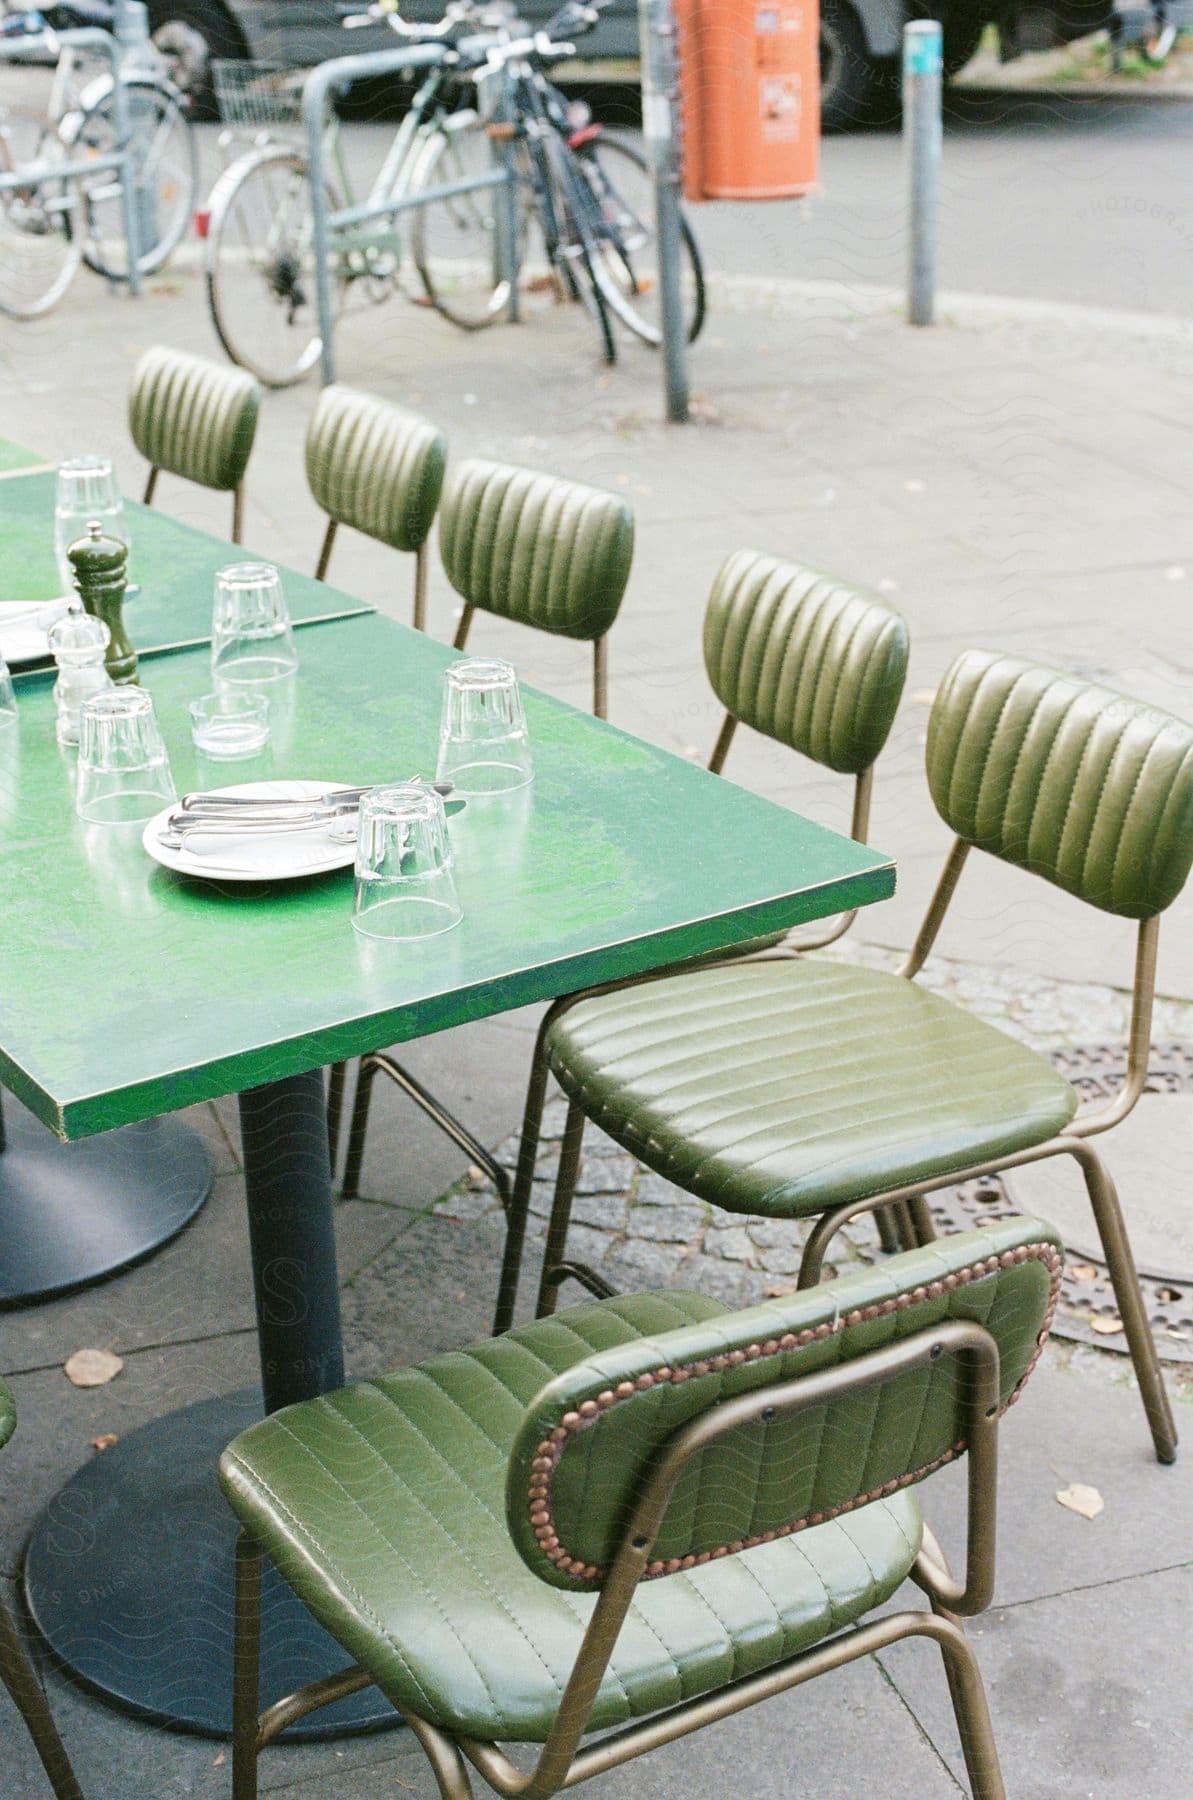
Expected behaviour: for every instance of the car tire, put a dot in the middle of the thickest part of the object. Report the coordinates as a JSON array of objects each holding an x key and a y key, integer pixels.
[
  {"x": 847, "y": 69},
  {"x": 189, "y": 33}
]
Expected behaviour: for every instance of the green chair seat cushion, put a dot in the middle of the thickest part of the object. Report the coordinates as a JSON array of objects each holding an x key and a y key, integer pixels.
[
  {"x": 8, "y": 1414},
  {"x": 384, "y": 1507},
  {"x": 786, "y": 1088}
]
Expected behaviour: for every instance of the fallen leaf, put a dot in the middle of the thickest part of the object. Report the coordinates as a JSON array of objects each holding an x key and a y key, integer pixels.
[
  {"x": 779, "y": 1291},
  {"x": 923, "y": 696},
  {"x": 219, "y": 1761},
  {"x": 1083, "y": 1271},
  {"x": 1085, "y": 1501},
  {"x": 92, "y": 1368},
  {"x": 1105, "y": 1327},
  {"x": 104, "y": 1441}
]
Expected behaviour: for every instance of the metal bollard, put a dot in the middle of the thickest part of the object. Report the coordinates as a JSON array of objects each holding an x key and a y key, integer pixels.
[
  {"x": 922, "y": 76},
  {"x": 660, "y": 91}
]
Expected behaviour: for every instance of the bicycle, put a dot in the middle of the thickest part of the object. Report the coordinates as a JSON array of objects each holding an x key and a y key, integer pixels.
[
  {"x": 590, "y": 195},
  {"x": 259, "y": 260},
  {"x": 53, "y": 227}
]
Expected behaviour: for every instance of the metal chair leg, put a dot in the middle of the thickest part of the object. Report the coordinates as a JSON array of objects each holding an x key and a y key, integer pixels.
[
  {"x": 447, "y": 1764},
  {"x": 238, "y": 515},
  {"x": 600, "y": 677},
  {"x": 971, "y": 1711},
  {"x": 420, "y": 587},
  {"x": 19, "y": 1677},
  {"x": 329, "y": 538},
  {"x": 528, "y": 1143},
  {"x": 1120, "y": 1261},
  {"x": 463, "y": 628},
  {"x": 150, "y": 485},
  {"x": 336, "y": 1079},
  {"x": 561, "y": 1210},
  {"x": 246, "y": 1673}
]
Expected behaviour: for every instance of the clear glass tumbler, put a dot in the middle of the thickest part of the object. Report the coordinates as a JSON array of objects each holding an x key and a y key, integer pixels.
[
  {"x": 86, "y": 490},
  {"x": 251, "y": 635},
  {"x": 484, "y": 745},
  {"x": 124, "y": 772},
  {"x": 405, "y": 887}
]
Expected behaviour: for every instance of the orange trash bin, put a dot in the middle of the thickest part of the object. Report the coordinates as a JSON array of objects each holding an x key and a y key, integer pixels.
[{"x": 750, "y": 87}]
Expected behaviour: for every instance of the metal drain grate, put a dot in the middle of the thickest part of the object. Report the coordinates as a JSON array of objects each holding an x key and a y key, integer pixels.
[{"x": 1087, "y": 1310}]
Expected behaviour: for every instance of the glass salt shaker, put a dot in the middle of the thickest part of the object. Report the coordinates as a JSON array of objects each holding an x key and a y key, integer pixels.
[{"x": 79, "y": 642}]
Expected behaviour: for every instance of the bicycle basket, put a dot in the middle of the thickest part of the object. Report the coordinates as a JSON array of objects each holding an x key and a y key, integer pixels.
[{"x": 255, "y": 94}]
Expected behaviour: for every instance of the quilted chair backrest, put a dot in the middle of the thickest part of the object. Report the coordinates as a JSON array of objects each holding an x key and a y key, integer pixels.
[
  {"x": 589, "y": 1440},
  {"x": 1071, "y": 780},
  {"x": 547, "y": 552},
  {"x": 375, "y": 466},
  {"x": 8, "y": 1414},
  {"x": 192, "y": 417},
  {"x": 812, "y": 662}
]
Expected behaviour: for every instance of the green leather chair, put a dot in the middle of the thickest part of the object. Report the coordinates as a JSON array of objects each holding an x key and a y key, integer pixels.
[
  {"x": 549, "y": 553},
  {"x": 379, "y": 469},
  {"x": 18, "y": 1676},
  {"x": 645, "y": 1514},
  {"x": 811, "y": 1089},
  {"x": 813, "y": 664},
  {"x": 196, "y": 419}
]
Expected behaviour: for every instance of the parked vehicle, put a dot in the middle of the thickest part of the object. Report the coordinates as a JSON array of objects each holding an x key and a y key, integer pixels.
[{"x": 859, "y": 39}]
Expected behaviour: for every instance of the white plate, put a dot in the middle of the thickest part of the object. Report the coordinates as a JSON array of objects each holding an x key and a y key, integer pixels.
[
  {"x": 268, "y": 856},
  {"x": 23, "y": 626}
]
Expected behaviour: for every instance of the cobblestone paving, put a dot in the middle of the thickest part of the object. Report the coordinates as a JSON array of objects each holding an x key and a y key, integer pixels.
[{"x": 640, "y": 1230}]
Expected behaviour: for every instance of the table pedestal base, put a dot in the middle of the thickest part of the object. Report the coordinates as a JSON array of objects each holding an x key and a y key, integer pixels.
[
  {"x": 129, "y": 1577},
  {"x": 73, "y": 1213}
]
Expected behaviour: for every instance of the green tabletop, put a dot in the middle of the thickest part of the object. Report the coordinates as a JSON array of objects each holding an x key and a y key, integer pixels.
[
  {"x": 174, "y": 564},
  {"x": 129, "y": 991}
]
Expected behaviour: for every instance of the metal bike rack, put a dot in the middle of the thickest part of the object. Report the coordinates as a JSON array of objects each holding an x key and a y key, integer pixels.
[
  {"x": 334, "y": 78},
  {"x": 111, "y": 45}
]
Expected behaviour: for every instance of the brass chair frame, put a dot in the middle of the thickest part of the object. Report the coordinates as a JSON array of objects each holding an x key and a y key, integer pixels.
[
  {"x": 19, "y": 1678},
  {"x": 420, "y": 572},
  {"x": 906, "y": 1204},
  {"x": 562, "y": 1763},
  {"x": 237, "y": 536}
]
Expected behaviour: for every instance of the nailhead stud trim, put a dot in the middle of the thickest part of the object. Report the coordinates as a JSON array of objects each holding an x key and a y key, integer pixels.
[{"x": 550, "y": 1451}]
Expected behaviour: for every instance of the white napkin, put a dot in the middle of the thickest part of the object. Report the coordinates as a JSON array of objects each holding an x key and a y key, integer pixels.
[
  {"x": 271, "y": 854},
  {"x": 23, "y": 627}
]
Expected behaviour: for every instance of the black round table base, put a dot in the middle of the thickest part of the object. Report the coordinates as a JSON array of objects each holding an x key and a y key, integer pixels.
[
  {"x": 129, "y": 1577},
  {"x": 72, "y": 1213}
]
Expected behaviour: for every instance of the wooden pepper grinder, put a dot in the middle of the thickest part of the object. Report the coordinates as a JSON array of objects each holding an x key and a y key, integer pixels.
[{"x": 100, "y": 567}]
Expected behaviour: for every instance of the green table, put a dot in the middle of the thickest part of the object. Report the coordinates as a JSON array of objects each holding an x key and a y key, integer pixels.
[
  {"x": 130, "y": 990},
  {"x": 173, "y": 564}
]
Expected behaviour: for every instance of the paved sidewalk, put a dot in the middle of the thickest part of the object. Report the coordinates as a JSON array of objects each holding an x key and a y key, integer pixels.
[{"x": 1015, "y": 477}]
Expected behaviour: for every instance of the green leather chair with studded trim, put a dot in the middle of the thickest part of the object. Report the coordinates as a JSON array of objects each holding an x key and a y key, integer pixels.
[
  {"x": 18, "y": 1675},
  {"x": 645, "y": 1514},
  {"x": 548, "y": 553},
  {"x": 196, "y": 419},
  {"x": 811, "y": 1089},
  {"x": 377, "y": 468}
]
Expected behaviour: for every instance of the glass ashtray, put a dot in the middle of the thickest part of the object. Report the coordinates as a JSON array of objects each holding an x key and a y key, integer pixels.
[{"x": 230, "y": 723}]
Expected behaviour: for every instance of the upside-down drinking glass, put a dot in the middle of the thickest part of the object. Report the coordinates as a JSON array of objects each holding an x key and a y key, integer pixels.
[
  {"x": 251, "y": 635},
  {"x": 484, "y": 745},
  {"x": 86, "y": 491},
  {"x": 124, "y": 772},
  {"x": 405, "y": 887}
]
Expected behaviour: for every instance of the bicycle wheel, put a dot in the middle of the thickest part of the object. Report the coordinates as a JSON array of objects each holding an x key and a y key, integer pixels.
[
  {"x": 164, "y": 177},
  {"x": 565, "y": 207},
  {"x": 456, "y": 242},
  {"x": 40, "y": 246},
  {"x": 625, "y": 257},
  {"x": 261, "y": 266}
]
